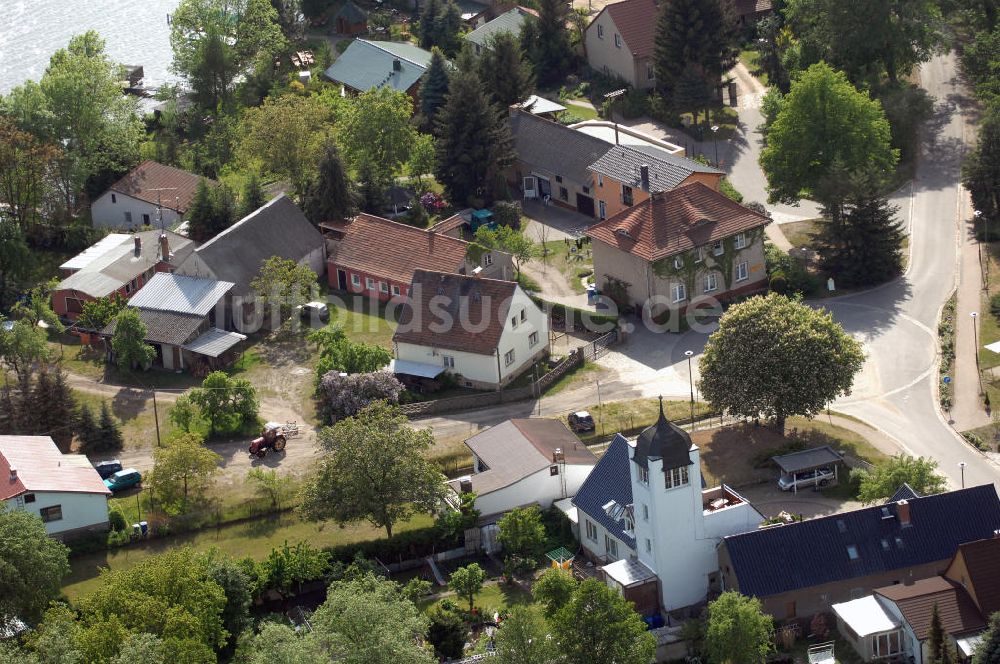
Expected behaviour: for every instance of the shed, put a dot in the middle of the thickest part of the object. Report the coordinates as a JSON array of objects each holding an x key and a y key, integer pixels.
[
  {"x": 637, "y": 583},
  {"x": 797, "y": 463}
]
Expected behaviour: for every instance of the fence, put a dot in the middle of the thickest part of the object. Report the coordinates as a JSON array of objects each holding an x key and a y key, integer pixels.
[{"x": 533, "y": 390}]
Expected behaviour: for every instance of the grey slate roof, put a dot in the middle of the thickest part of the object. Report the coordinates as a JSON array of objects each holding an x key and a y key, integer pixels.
[
  {"x": 904, "y": 492},
  {"x": 548, "y": 145},
  {"x": 278, "y": 228},
  {"x": 180, "y": 294},
  {"x": 368, "y": 64},
  {"x": 351, "y": 13},
  {"x": 797, "y": 462},
  {"x": 814, "y": 552},
  {"x": 663, "y": 441},
  {"x": 609, "y": 480},
  {"x": 666, "y": 171},
  {"x": 511, "y": 21},
  {"x": 164, "y": 327}
]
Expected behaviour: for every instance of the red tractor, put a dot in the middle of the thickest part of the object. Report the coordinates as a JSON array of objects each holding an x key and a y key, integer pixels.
[{"x": 273, "y": 437}]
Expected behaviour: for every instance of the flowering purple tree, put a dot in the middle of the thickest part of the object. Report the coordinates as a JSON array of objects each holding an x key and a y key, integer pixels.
[{"x": 346, "y": 395}]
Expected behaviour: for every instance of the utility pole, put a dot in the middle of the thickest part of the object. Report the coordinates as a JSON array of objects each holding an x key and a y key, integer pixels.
[
  {"x": 688, "y": 354},
  {"x": 156, "y": 419}
]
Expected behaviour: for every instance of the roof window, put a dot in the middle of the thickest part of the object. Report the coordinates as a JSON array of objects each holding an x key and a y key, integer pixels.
[{"x": 852, "y": 552}]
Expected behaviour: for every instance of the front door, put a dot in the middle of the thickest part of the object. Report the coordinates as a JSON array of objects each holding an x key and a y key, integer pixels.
[
  {"x": 585, "y": 205},
  {"x": 544, "y": 188},
  {"x": 341, "y": 280}
]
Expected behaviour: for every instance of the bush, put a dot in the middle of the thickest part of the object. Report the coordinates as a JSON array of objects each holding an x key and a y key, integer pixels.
[
  {"x": 976, "y": 441},
  {"x": 797, "y": 278},
  {"x": 779, "y": 283},
  {"x": 995, "y": 304},
  {"x": 406, "y": 545},
  {"x": 447, "y": 633},
  {"x": 117, "y": 521}
]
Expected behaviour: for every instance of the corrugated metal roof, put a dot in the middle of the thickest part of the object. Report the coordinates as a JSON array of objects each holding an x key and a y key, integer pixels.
[
  {"x": 94, "y": 251},
  {"x": 796, "y": 462},
  {"x": 180, "y": 294},
  {"x": 366, "y": 65},
  {"x": 610, "y": 480},
  {"x": 628, "y": 572},
  {"x": 94, "y": 284},
  {"x": 422, "y": 369},
  {"x": 215, "y": 342},
  {"x": 511, "y": 21},
  {"x": 42, "y": 467}
]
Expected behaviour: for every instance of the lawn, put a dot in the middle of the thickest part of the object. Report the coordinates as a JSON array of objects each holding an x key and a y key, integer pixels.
[
  {"x": 89, "y": 361},
  {"x": 579, "y": 113},
  {"x": 573, "y": 263},
  {"x": 631, "y": 417},
  {"x": 724, "y": 117},
  {"x": 362, "y": 318},
  {"x": 801, "y": 233},
  {"x": 493, "y": 597},
  {"x": 989, "y": 324},
  {"x": 252, "y": 538},
  {"x": 134, "y": 409},
  {"x": 751, "y": 59}
]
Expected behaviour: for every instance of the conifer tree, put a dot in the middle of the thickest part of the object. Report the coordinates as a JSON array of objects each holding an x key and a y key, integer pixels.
[
  {"x": 434, "y": 88},
  {"x": 988, "y": 651},
  {"x": 447, "y": 28},
  {"x": 87, "y": 431},
  {"x": 426, "y": 31},
  {"x": 253, "y": 195},
  {"x": 693, "y": 32},
  {"x": 553, "y": 54},
  {"x": 55, "y": 406},
  {"x": 935, "y": 635},
  {"x": 504, "y": 72},
  {"x": 201, "y": 213},
  {"x": 692, "y": 92},
  {"x": 330, "y": 196},
  {"x": 109, "y": 430}
]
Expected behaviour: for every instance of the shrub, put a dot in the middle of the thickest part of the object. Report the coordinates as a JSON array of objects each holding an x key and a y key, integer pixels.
[
  {"x": 447, "y": 633},
  {"x": 346, "y": 396},
  {"x": 117, "y": 521},
  {"x": 779, "y": 283},
  {"x": 976, "y": 441},
  {"x": 995, "y": 304}
]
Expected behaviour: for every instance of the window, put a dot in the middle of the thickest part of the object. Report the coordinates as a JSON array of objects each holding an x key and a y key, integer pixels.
[
  {"x": 513, "y": 321},
  {"x": 29, "y": 497},
  {"x": 742, "y": 271},
  {"x": 369, "y": 283},
  {"x": 626, "y": 194},
  {"x": 645, "y": 512},
  {"x": 586, "y": 190},
  {"x": 611, "y": 546},
  {"x": 508, "y": 358},
  {"x": 680, "y": 293},
  {"x": 145, "y": 220},
  {"x": 50, "y": 514},
  {"x": 553, "y": 471},
  {"x": 128, "y": 217},
  {"x": 395, "y": 290},
  {"x": 718, "y": 249},
  {"x": 487, "y": 260},
  {"x": 384, "y": 287},
  {"x": 532, "y": 339},
  {"x": 618, "y": 40},
  {"x": 643, "y": 474},
  {"x": 650, "y": 74},
  {"x": 885, "y": 645},
  {"x": 852, "y": 552},
  {"x": 675, "y": 477},
  {"x": 711, "y": 282},
  {"x": 649, "y": 546},
  {"x": 114, "y": 199},
  {"x": 600, "y": 180},
  {"x": 678, "y": 262},
  {"x": 740, "y": 240},
  {"x": 524, "y": 315},
  {"x": 699, "y": 255},
  {"x": 356, "y": 280},
  {"x": 591, "y": 531},
  {"x": 602, "y": 210},
  {"x": 128, "y": 288},
  {"x": 563, "y": 194},
  {"x": 600, "y": 35},
  {"x": 448, "y": 361},
  {"x": 558, "y": 178}
]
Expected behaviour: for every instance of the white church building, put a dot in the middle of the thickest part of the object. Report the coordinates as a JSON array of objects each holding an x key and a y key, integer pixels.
[{"x": 646, "y": 519}]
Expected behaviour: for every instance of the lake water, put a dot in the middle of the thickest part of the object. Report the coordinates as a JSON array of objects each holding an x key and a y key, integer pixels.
[{"x": 135, "y": 32}]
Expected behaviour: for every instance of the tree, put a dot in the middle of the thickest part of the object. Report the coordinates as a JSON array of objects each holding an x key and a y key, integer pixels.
[
  {"x": 141, "y": 647},
  {"x": 988, "y": 650},
  {"x": 214, "y": 41},
  {"x": 97, "y": 314},
  {"x": 522, "y": 639},
  {"x": 32, "y": 565},
  {"x": 776, "y": 357},
  {"x": 15, "y": 265},
  {"x": 288, "y": 567},
  {"x": 521, "y": 531},
  {"x": 201, "y": 213},
  {"x": 283, "y": 282},
  {"x": 368, "y": 621},
  {"x": 981, "y": 168},
  {"x": 87, "y": 431},
  {"x": 446, "y": 633},
  {"x": 253, "y": 196},
  {"x": 426, "y": 31},
  {"x": 375, "y": 132},
  {"x": 268, "y": 483},
  {"x": 228, "y": 403},
  {"x": 229, "y": 575},
  {"x": 935, "y": 636},
  {"x": 824, "y": 121},
  {"x": 286, "y": 136},
  {"x": 599, "y": 626},
  {"x": 183, "y": 463},
  {"x": 473, "y": 141},
  {"x": 183, "y": 413},
  {"x": 54, "y": 406},
  {"x": 330, "y": 195},
  {"x": 373, "y": 468},
  {"x": 980, "y": 65},
  {"x": 109, "y": 430},
  {"x": 553, "y": 590},
  {"x": 57, "y": 637},
  {"x": 694, "y": 35},
  {"x": 510, "y": 240},
  {"x": 738, "y": 631},
  {"x": 883, "y": 481},
  {"x": 692, "y": 91},
  {"x": 421, "y": 162},
  {"x": 276, "y": 643},
  {"x": 128, "y": 343},
  {"x": 434, "y": 89},
  {"x": 503, "y": 70},
  {"x": 27, "y": 167},
  {"x": 551, "y": 55},
  {"x": 467, "y": 582},
  {"x": 346, "y": 396},
  {"x": 340, "y": 354},
  {"x": 447, "y": 26}
]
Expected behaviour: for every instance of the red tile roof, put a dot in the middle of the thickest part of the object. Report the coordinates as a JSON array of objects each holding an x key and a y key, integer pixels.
[
  {"x": 42, "y": 467},
  {"x": 392, "y": 250},
  {"x": 154, "y": 182},
  {"x": 449, "y": 224},
  {"x": 670, "y": 222},
  {"x": 982, "y": 561},
  {"x": 440, "y": 303},
  {"x": 636, "y": 23},
  {"x": 916, "y": 603}
]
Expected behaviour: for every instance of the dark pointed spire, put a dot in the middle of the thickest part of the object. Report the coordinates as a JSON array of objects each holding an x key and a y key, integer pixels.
[{"x": 663, "y": 440}]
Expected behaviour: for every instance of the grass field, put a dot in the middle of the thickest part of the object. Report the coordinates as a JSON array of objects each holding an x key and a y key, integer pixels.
[
  {"x": 800, "y": 233},
  {"x": 751, "y": 59}
]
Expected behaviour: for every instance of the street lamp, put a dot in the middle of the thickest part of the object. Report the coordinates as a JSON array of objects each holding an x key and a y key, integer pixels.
[
  {"x": 975, "y": 340},
  {"x": 688, "y": 354},
  {"x": 961, "y": 465},
  {"x": 715, "y": 139}
]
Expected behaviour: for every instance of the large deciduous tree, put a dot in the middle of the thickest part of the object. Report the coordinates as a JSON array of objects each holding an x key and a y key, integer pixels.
[
  {"x": 599, "y": 625},
  {"x": 697, "y": 36},
  {"x": 27, "y": 172},
  {"x": 15, "y": 262},
  {"x": 775, "y": 357},
  {"x": 374, "y": 468},
  {"x": 375, "y": 132},
  {"x": 524, "y": 639},
  {"x": 883, "y": 480},
  {"x": 128, "y": 343},
  {"x": 510, "y": 240},
  {"x": 738, "y": 631},
  {"x": 32, "y": 565},
  {"x": 981, "y": 170},
  {"x": 822, "y": 122},
  {"x": 284, "y": 283},
  {"x": 226, "y": 402},
  {"x": 181, "y": 466}
]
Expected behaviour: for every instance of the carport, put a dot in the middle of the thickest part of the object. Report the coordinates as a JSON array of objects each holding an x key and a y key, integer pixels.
[{"x": 797, "y": 463}]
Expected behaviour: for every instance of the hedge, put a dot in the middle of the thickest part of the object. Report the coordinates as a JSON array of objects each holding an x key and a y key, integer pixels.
[{"x": 407, "y": 545}]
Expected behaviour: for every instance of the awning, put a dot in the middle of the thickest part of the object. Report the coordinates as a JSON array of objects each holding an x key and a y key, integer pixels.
[
  {"x": 798, "y": 462},
  {"x": 215, "y": 342},
  {"x": 629, "y": 572},
  {"x": 865, "y": 616},
  {"x": 967, "y": 644},
  {"x": 409, "y": 368}
]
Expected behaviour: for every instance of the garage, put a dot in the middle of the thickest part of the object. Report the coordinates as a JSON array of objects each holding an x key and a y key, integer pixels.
[
  {"x": 813, "y": 468},
  {"x": 585, "y": 205}
]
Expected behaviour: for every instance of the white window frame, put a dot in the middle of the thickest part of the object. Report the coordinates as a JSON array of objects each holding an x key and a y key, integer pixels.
[
  {"x": 885, "y": 640},
  {"x": 448, "y": 361},
  {"x": 384, "y": 287},
  {"x": 513, "y": 322},
  {"x": 508, "y": 358},
  {"x": 487, "y": 260},
  {"x": 591, "y": 530},
  {"x": 618, "y": 40},
  {"x": 395, "y": 289},
  {"x": 370, "y": 284},
  {"x": 711, "y": 282},
  {"x": 742, "y": 271},
  {"x": 356, "y": 280},
  {"x": 718, "y": 248},
  {"x": 679, "y": 292},
  {"x": 600, "y": 31},
  {"x": 740, "y": 240},
  {"x": 699, "y": 255},
  {"x": 678, "y": 262},
  {"x": 611, "y": 546},
  {"x": 643, "y": 474},
  {"x": 533, "y": 339},
  {"x": 676, "y": 477}
]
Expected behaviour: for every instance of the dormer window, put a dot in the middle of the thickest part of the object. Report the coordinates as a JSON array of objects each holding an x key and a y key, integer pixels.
[
  {"x": 675, "y": 477},
  {"x": 623, "y": 232}
]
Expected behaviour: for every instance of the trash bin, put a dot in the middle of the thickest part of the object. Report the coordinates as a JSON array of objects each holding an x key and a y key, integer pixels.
[
  {"x": 144, "y": 528},
  {"x": 591, "y": 293}
]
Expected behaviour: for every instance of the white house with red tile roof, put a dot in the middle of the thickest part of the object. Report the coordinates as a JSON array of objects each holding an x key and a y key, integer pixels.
[
  {"x": 620, "y": 41},
  {"x": 63, "y": 489},
  {"x": 132, "y": 202}
]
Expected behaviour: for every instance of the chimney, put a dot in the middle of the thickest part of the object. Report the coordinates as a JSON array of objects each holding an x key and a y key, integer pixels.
[
  {"x": 557, "y": 455},
  {"x": 13, "y": 473},
  {"x": 164, "y": 247},
  {"x": 138, "y": 244},
  {"x": 397, "y": 65},
  {"x": 903, "y": 511},
  {"x": 465, "y": 485},
  {"x": 644, "y": 176}
]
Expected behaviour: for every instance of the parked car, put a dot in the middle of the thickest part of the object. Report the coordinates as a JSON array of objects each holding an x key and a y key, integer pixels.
[
  {"x": 805, "y": 479},
  {"x": 108, "y": 468},
  {"x": 123, "y": 479},
  {"x": 581, "y": 421},
  {"x": 314, "y": 310}
]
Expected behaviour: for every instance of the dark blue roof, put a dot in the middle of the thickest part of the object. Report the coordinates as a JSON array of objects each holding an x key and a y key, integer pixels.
[
  {"x": 609, "y": 480},
  {"x": 809, "y": 553},
  {"x": 904, "y": 492}
]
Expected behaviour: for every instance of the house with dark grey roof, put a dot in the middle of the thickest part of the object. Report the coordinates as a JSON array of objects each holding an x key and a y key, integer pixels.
[
  {"x": 524, "y": 462},
  {"x": 835, "y": 559},
  {"x": 510, "y": 22},
  {"x": 644, "y": 512},
  {"x": 367, "y": 65},
  {"x": 484, "y": 332}
]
